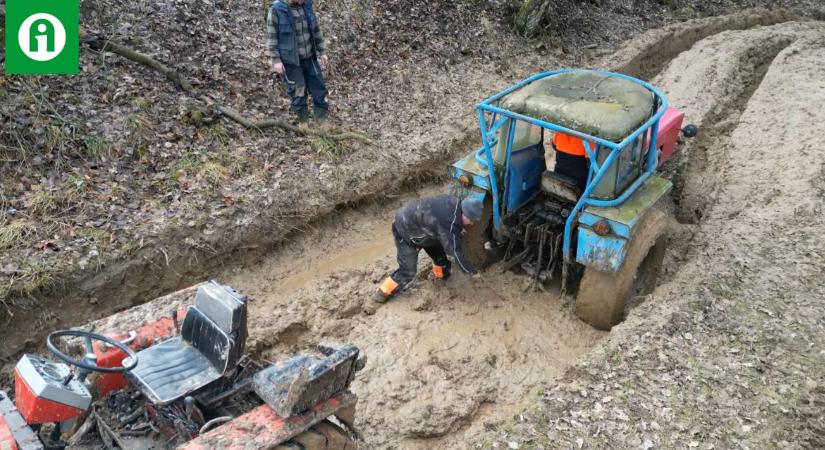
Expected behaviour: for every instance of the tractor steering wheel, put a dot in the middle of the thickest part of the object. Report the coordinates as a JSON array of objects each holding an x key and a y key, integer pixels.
[{"x": 88, "y": 337}]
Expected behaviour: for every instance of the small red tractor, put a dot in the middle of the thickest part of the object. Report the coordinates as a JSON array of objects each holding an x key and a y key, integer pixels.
[{"x": 180, "y": 381}]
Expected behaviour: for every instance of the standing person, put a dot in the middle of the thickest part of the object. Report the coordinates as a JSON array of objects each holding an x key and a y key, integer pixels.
[
  {"x": 434, "y": 224},
  {"x": 296, "y": 45}
]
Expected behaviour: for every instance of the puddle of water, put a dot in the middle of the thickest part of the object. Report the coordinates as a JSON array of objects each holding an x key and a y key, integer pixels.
[{"x": 350, "y": 258}]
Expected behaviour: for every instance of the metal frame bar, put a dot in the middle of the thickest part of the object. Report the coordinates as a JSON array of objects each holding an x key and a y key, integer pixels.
[
  {"x": 489, "y": 105},
  {"x": 510, "y": 140}
]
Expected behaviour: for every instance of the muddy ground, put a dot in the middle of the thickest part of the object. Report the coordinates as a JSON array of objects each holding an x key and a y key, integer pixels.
[
  {"x": 693, "y": 366},
  {"x": 723, "y": 354},
  {"x": 443, "y": 362},
  {"x": 709, "y": 360}
]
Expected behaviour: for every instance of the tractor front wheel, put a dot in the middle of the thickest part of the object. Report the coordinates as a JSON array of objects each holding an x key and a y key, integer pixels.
[{"x": 602, "y": 297}]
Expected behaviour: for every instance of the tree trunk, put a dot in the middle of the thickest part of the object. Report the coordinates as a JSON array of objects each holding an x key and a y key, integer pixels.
[{"x": 532, "y": 16}]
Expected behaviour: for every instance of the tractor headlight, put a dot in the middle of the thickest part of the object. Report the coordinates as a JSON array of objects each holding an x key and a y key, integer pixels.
[
  {"x": 602, "y": 228},
  {"x": 465, "y": 181}
]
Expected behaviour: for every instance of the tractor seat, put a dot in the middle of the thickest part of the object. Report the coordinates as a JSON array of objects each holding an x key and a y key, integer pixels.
[
  {"x": 561, "y": 186},
  {"x": 211, "y": 342}
]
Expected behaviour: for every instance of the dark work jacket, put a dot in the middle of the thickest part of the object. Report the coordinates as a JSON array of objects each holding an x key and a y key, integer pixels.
[
  {"x": 287, "y": 40},
  {"x": 435, "y": 221}
]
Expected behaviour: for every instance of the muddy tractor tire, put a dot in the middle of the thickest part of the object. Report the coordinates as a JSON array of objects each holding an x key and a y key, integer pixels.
[
  {"x": 322, "y": 436},
  {"x": 472, "y": 241},
  {"x": 602, "y": 297}
]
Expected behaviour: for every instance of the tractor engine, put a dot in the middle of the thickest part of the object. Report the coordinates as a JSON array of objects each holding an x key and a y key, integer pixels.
[
  {"x": 130, "y": 414},
  {"x": 537, "y": 228}
]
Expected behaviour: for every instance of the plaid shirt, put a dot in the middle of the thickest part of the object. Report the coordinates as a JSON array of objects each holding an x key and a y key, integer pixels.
[{"x": 303, "y": 36}]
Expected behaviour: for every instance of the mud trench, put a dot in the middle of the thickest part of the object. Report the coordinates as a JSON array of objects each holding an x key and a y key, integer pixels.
[{"x": 443, "y": 362}]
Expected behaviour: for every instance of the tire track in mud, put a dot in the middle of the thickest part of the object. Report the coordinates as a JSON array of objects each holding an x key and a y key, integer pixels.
[
  {"x": 735, "y": 63},
  {"x": 647, "y": 55}
]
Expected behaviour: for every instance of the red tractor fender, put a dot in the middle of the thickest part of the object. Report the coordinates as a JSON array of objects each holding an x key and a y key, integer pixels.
[
  {"x": 669, "y": 127},
  {"x": 263, "y": 428},
  {"x": 7, "y": 441}
]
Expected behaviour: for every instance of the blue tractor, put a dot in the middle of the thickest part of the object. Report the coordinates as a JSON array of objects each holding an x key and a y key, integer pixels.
[{"x": 603, "y": 229}]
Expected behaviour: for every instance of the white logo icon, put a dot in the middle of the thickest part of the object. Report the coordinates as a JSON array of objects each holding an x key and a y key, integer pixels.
[{"x": 41, "y": 37}]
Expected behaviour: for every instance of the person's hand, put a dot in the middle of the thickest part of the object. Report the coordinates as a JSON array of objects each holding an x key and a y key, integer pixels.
[
  {"x": 323, "y": 60},
  {"x": 278, "y": 67}
]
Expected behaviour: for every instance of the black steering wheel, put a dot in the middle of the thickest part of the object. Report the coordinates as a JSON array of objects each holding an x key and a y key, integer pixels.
[{"x": 88, "y": 337}]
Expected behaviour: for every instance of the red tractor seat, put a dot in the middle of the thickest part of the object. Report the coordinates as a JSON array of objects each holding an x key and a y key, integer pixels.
[{"x": 211, "y": 342}]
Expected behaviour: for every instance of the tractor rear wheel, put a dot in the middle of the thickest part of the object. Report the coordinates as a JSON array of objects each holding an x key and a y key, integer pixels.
[
  {"x": 472, "y": 241},
  {"x": 322, "y": 436},
  {"x": 602, "y": 297}
]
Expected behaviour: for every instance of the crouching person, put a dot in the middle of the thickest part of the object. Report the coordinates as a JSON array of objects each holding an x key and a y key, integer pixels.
[{"x": 434, "y": 224}]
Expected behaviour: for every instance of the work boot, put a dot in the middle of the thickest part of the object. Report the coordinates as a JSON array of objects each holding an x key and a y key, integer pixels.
[
  {"x": 387, "y": 289},
  {"x": 303, "y": 118},
  {"x": 380, "y": 297},
  {"x": 440, "y": 274},
  {"x": 321, "y": 114}
]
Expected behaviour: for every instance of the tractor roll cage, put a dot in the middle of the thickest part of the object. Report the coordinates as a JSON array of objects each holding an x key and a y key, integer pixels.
[{"x": 597, "y": 172}]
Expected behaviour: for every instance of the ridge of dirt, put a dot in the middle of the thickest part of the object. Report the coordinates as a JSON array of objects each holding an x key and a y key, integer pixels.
[
  {"x": 733, "y": 63},
  {"x": 726, "y": 354},
  {"x": 646, "y": 55},
  {"x": 608, "y": 22}
]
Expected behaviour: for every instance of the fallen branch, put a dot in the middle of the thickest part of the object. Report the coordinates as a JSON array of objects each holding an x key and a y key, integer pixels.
[
  {"x": 109, "y": 46},
  {"x": 235, "y": 115},
  {"x": 101, "y": 44},
  {"x": 88, "y": 425}
]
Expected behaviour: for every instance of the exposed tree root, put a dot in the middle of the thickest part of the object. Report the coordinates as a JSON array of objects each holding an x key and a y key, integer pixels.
[{"x": 102, "y": 44}]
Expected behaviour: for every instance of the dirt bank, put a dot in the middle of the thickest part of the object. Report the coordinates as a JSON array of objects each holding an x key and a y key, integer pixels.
[{"x": 727, "y": 353}]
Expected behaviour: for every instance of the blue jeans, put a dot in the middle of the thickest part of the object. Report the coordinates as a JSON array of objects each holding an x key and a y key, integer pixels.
[{"x": 303, "y": 80}]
